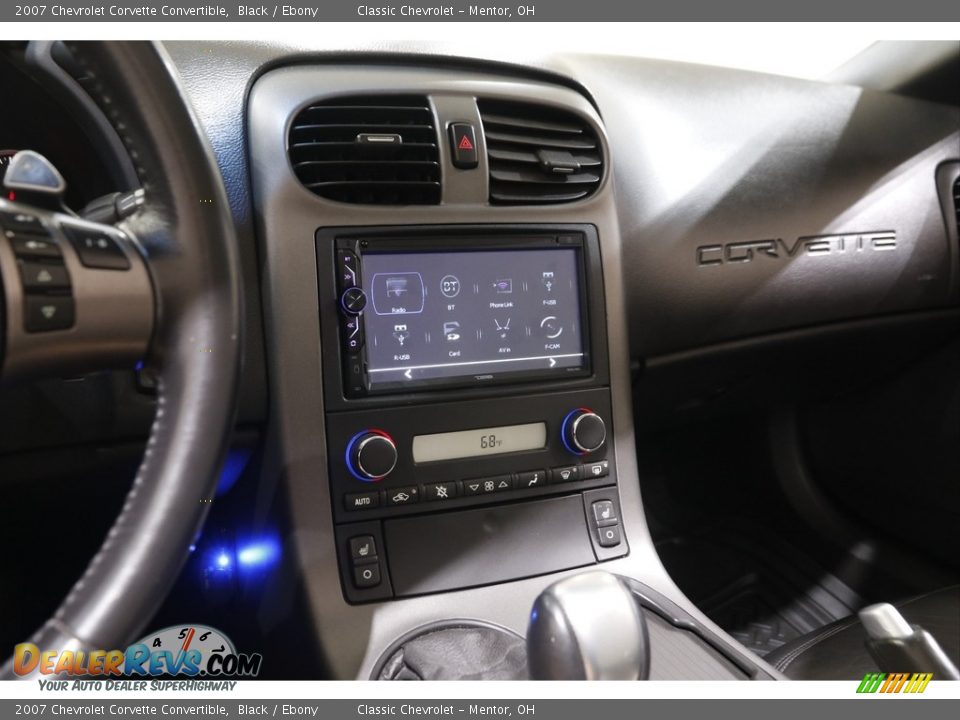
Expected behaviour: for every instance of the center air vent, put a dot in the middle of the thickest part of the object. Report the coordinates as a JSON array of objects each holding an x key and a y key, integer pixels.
[
  {"x": 539, "y": 155},
  {"x": 369, "y": 150}
]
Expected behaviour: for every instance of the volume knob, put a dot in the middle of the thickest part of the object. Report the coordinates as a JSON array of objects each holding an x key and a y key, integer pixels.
[
  {"x": 371, "y": 455},
  {"x": 353, "y": 301},
  {"x": 583, "y": 431}
]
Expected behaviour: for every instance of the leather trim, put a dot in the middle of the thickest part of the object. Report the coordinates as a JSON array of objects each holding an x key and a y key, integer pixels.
[
  {"x": 811, "y": 639},
  {"x": 838, "y": 650}
]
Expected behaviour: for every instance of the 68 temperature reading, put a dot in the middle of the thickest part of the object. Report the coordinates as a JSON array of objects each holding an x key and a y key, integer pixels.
[{"x": 490, "y": 441}]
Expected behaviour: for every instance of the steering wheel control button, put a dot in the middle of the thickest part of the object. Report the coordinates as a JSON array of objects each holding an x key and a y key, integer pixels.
[
  {"x": 353, "y": 300},
  {"x": 97, "y": 250},
  {"x": 352, "y": 331},
  {"x": 441, "y": 491},
  {"x": 347, "y": 275},
  {"x": 366, "y": 576},
  {"x": 44, "y": 277},
  {"x": 371, "y": 455},
  {"x": 362, "y": 501},
  {"x": 610, "y": 536},
  {"x": 531, "y": 479},
  {"x": 596, "y": 469},
  {"x": 571, "y": 473},
  {"x": 26, "y": 247},
  {"x": 583, "y": 431},
  {"x": 22, "y": 223},
  {"x": 363, "y": 550},
  {"x": 463, "y": 146},
  {"x": 47, "y": 313},
  {"x": 403, "y": 495},
  {"x": 605, "y": 513}
]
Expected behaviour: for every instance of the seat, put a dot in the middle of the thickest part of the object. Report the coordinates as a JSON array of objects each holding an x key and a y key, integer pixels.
[{"x": 838, "y": 651}]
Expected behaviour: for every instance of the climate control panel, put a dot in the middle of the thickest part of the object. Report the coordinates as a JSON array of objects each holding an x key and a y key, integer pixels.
[{"x": 432, "y": 458}]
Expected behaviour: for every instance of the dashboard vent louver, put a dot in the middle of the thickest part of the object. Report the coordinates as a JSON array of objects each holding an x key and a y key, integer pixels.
[
  {"x": 539, "y": 155},
  {"x": 373, "y": 150}
]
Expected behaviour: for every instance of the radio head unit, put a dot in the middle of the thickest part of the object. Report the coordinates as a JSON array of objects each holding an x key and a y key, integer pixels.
[{"x": 479, "y": 309}]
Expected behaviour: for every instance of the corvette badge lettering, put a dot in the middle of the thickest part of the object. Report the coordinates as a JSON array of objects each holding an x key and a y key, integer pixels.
[{"x": 778, "y": 248}]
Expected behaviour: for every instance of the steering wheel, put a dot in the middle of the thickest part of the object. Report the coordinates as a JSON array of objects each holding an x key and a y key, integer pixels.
[{"x": 164, "y": 286}]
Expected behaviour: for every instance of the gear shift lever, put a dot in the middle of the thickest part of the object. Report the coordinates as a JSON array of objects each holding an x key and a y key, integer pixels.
[{"x": 588, "y": 627}]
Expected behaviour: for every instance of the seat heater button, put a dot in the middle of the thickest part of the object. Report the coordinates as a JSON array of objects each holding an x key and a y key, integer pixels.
[
  {"x": 604, "y": 513},
  {"x": 363, "y": 549}
]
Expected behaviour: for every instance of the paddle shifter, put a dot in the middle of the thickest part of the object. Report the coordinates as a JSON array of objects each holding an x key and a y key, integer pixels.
[{"x": 588, "y": 627}]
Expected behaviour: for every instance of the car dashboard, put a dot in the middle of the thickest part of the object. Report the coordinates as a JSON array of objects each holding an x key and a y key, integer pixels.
[{"x": 473, "y": 282}]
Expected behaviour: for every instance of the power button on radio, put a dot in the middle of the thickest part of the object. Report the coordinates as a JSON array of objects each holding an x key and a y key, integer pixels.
[{"x": 353, "y": 300}]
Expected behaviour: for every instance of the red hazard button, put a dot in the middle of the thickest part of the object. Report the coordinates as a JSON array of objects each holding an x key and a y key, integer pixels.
[{"x": 463, "y": 145}]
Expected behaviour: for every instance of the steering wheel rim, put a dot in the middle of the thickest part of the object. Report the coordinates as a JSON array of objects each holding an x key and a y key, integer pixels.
[{"x": 185, "y": 232}]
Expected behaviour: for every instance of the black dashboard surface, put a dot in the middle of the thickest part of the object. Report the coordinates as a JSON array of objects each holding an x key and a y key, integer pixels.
[{"x": 748, "y": 203}]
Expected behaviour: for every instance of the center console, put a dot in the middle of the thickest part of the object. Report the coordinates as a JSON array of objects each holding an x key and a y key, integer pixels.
[
  {"x": 451, "y": 422},
  {"x": 468, "y": 405}
]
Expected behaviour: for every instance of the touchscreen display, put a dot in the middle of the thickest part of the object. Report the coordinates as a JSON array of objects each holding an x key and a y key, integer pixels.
[{"x": 471, "y": 314}]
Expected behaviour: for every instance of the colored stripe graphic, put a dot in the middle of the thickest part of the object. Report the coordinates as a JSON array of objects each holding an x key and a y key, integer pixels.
[{"x": 894, "y": 683}]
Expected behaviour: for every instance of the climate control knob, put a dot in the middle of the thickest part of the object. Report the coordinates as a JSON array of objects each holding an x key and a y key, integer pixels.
[
  {"x": 371, "y": 455},
  {"x": 583, "y": 431}
]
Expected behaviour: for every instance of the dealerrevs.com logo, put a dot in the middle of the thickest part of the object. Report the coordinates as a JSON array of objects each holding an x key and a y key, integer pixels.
[
  {"x": 889, "y": 683},
  {"x": 191, "y": 651}
]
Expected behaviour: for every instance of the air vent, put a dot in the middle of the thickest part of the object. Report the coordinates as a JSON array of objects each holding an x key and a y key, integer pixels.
[
  {"x": 368, "y": 150},
  {"x": 539, "y": 155}
]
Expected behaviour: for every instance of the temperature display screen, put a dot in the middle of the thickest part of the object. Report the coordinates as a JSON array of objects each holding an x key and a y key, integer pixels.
[
  {"x": 474, "y": 315},
  {"x": 477, "y": 443}
]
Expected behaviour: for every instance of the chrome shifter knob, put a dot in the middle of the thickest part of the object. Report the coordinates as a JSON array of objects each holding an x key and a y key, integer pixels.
[{"x": 588, "y": 627}]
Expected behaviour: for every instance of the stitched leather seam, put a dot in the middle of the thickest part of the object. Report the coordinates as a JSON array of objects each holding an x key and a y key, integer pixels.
[
  {"x": 131, "y": 497},
  {"x": 788, "y": 659}
]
